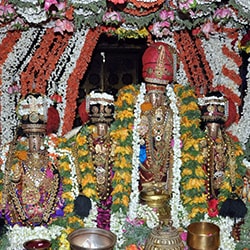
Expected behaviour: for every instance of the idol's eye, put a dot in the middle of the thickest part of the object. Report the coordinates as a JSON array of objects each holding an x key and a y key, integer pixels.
[
  {"x": 210, "y": 108},
  {"x": 221, "y": 109}
]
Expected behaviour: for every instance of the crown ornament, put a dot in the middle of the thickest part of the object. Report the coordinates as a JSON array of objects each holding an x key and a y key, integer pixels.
[{"x": 100, "y": 107}]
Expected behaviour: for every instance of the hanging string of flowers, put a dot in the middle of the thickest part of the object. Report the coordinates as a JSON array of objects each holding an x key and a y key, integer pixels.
[
  {"x": 43, "y": 62},
  {"x": 192, "y": 58},
  {"x": 75, "y": 77},
  {"x": 122, "y": 133},
  {"x": 193, "y": 177}
]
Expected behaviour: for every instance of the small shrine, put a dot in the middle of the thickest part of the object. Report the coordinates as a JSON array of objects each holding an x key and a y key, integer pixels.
[{"x": 124, "y": 124}]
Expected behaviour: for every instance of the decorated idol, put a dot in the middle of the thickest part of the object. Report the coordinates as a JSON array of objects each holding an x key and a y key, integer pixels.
[
  {"x": 156, "y": 122},
  {"x": 31, "y": 178},
  {"x": 95, "y": 164},
  {"x": 222, "y": 158},
  {"x": 39, "y": 183}
]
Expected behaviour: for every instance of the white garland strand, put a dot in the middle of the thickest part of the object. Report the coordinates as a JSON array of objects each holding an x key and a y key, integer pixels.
[
  {"x": 17, "y": 60},
  {"x": 216, "y": 59},
  {"x": 179, "y": 215},
  {"x": 17, "y": 235},
  {"x": 68, "y": 58},
  {"x": 134, "y": 196},
  {"x": 239, "y": 129}
]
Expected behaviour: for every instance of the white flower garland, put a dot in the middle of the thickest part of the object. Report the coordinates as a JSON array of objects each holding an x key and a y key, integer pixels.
[
  {"x": 179, "y": 215},
  {"x": 225, "y": 224},
  {"x": 17, "y": 235},
  {"x": 69, "y": 59},
  {"x": 239, "y": 129},
  {"x": 17, "y": 60},
  {"x": 134, "y": 196}
]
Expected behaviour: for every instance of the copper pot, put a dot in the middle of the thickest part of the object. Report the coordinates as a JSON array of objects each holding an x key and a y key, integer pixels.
[
  {"x": 92, "y": 238},
  {"x": 203, "y": 236},
  {"x": 37, "y": 244}
]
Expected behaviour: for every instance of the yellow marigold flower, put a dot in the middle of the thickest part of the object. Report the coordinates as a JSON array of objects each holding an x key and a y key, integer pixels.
[
  {"x": 69, "y": 208},
  {"x": 199, "y": 158},
  {"x": 125, "y": 200},
  {"x": 188, "y": 107},
  {"x": 89, "y": 192},
  {"x": 191, "y": 143},
  {"x": 200, "y": 172},
  {"x": 118, "y": 188},
  {"x": 67, "y": 181},
  {"x": 121, "y": 134},
  {"x": 187, "y": 157},
  {"x": 121, "y": 163},
  {"x": 197, "y": 210},
  {"x": 238, "y": 150},
  {"x": 123, "y": 150},
  {"x": 83, "y": 152},
  {"x": 187, "y": 93},
  {"x": 73, "y": 219},
  {"x": 88, "y": 179},
  {"x": 122, "y": 176},
  {"x": 118, "y": 102},
  {"x": 67, "y": 195},
  {"x": 125, "y": 114},
  {"x": 81, "y": 140},
  {"x": 143, "y": 32},
  {"x": 116, "y": 201},
  {"x": 226, "y": 185},
  {"x": 128, "y": 98},
  {"x": 65, "y": 166},
  {"x": 186, "y": 172},
  {"x": 186, "y": 199},
  {"x": 201, "y": 199},
  {"x": 22, "y": 155},
  {"x": 193, "y": 183},
  {"x": 83, "y": 165},
  {"x": 187, "y": 122}
]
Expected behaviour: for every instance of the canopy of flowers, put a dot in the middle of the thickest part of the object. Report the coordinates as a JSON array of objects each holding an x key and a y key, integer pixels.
[{"x": 161, "y": 17}]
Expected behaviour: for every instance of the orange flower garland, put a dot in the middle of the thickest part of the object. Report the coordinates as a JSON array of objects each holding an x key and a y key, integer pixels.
[
  {"x": 43, "y": 62},
  {"x": 192, "y": 56},
  {"x": 75, "y": 77}
]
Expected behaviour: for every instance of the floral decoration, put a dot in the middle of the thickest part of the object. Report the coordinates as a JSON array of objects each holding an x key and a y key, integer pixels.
[{"x": 67, "y": 16}]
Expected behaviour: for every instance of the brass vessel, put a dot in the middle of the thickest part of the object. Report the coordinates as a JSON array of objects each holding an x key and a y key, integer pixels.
[
  {"x": 164, "y": 237},
  {"x": 37, "y": 244},
  {"x": 203, "y": 236},
  {"x": 92, "y": 238},
  {"x": 159, "y": 201}
]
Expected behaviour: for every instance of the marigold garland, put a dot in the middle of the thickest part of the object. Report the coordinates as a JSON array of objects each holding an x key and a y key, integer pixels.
[{"x": 192, "y": 175}]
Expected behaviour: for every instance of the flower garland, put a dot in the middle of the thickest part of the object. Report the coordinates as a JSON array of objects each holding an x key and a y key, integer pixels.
[
  {"x": 197, "y": 77},
  {"x": 6, "y": 47},
  {"x": 193, "y": 177},
  {"x": 58, "y": 227},
  {"x": 15, "y": 63},
  {"x": 76, "y": 75},
  {"x": 43, "y": 62}
]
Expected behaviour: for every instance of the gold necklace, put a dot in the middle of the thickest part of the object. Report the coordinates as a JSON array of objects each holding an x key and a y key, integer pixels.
[{"x": 101, "y": 155}]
